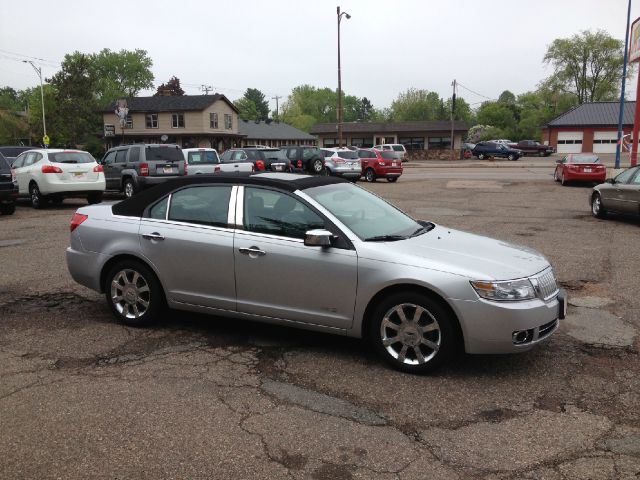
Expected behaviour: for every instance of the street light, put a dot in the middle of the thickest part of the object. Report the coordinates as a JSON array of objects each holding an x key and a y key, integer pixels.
[
  {"x": 340, "y": 78},
  {"x": 39, "y": 72}
]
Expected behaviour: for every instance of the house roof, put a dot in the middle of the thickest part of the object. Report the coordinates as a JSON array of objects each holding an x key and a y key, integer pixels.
[
  {"x": 391, "y": 127},
  {"x": 595, "y": 114},
  {"x": 179, "y": 103},
  {"x": 271, "y": 131}
]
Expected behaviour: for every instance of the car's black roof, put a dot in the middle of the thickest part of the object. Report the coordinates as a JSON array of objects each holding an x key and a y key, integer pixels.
[{"x": 135, "y": 206}]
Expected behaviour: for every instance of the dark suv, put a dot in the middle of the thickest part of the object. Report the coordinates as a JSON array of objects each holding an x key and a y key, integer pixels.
[
  {"x": 484, "y": 150},
  {"x": 264, "y": 159},
  {"x": 305, "y": 158},
  {"x": 8, "y": 188},
  {"x": 11, "y": 152},
  {"x": 131, "y": 168}
]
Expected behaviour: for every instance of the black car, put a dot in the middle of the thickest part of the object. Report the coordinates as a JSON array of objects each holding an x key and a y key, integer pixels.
[
  {"x": 484, "y": 150},
  {"x": 8, "y": 188},
  {"x": 305, "y": 158},
  {"x": 131, "y": 168},
  {"x": 264, "y": 159},
  {"x": 11, "y": 152}
]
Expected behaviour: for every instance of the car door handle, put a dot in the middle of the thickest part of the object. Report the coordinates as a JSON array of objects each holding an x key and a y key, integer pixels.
[
  {"x": 252, "y": 251},
  {"x": 152, "y": 236}
]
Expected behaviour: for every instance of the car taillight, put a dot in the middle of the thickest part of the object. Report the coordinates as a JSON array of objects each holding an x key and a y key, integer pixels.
[
  {"x": 185, "y": 167},
  {"x": 14, "y": 179},
  {"x": 338, "y": 160},
  {"x": 76, "y": 220},
  {"x": 98, "y": 169},
  {"x": 299, "y": 163},
  {"x": 260, "y": 165},
  {"x": 216, "y": 170},
  {"x": 144, "y": 169},
  {"x": 51, "y": 169},
  {"x": 253, "y": 168}
]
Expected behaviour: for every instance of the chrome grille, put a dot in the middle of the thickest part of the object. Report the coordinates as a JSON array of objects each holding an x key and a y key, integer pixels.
[{"x": 545, "y": 284}]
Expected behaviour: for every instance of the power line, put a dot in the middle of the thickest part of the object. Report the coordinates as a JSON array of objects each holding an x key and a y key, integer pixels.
[
  {"x": 19, "y": 57},
  {"x": 474, "y": 92}
]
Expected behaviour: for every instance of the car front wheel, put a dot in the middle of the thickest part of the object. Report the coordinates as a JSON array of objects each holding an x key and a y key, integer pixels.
[
  {"x": 597, "y": 208},
  {"x": 134, "y": 294},
  {"x": 563, "y": 180},
  {"x": 481, "y": 156},
  {"x": 555, "y": 175},
  {"x": 37, "y": 199},
  {"x": 512, "y": 157},
  {"x": 129, "y": 188},
  {"x": 317, "y": 166},
  {"x": 413, "y": 332}
]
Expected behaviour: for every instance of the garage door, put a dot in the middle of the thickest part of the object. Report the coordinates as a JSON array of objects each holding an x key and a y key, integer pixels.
[
  {"x": 569, "y": 142},
  {"x": 605, "y": 142}
]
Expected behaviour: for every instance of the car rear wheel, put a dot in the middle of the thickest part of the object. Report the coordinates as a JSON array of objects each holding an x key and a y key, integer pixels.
[
  {"x": 129, "y": 188},
  {"x": 134, "y": 294},
  {"x": 7, "y": 208},
  {"x": 370, "y": 175},
  {"x": 512, "y": 157},
  {"x": 95, "y": 197},
  {"x": 541, "y": 154},
  {"x": 413, "y": 332},
  {"x": 37, "y": 199},
  {"x": 317, "y": 166},
  {"x": 597, "y": 209},
  {"x": 481, "y": 156}
]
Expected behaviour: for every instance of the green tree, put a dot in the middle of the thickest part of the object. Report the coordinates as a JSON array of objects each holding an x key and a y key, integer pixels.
[
  {"x": 307, "y": 105},
  {"x": 170, "y": 89},
  {"x": 259, "y": 101},
  {"x": 121, "y": 74},
  {"x": 13, "y": 128},
  {"x": 507, "y": 97},
  {"x": 10, "y": 99},
  {"x": 247, "y": 109},
  {"x": 415, "y": 105},
  {"x": 498, "y": 115},
  {"x": 76, "y": 99},
  {"x": 462, "y": 111},
  {"x": 366, "y": 109},
  {"x": 588, "y": 65}
]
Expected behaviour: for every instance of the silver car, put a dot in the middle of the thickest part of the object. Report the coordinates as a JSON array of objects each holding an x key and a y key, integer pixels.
[
  {"x": 347, "y": 262},
  {"x": 342, "y": 162}
]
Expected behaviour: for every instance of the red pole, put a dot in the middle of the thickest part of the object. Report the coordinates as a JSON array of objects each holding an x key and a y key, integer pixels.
[{"x": 636, "y": 127}]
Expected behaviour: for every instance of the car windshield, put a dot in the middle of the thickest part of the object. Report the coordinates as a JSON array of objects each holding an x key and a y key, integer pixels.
[
  {"x": 168, "y": 153},
  {"x": 203, "y": 157},
  {"x": 388, "y": 155},
  {"x": 584, "y": 159},
  {"x": 348, "y": 154},
  {"x": 365, "y": 214},
  {"x": 71, "y": 157},
  {"x": 398, "y": 148}
]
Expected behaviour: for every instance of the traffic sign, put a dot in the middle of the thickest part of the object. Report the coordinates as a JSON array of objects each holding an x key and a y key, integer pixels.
[{"x": 46, "y": 140}]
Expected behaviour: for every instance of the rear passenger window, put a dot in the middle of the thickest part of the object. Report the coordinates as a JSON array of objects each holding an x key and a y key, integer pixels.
[
  {"x": 159, "y": 210},
  {"x": 208, "y": 205},
  {"x": 134, "y": 154},
  {"x": 121, "y": 156}
]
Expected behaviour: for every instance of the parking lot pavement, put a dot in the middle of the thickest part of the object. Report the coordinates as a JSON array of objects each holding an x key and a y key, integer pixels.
[{"x": 198, "y": 397}]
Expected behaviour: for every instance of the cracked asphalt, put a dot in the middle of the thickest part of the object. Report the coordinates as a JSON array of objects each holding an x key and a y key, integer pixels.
[{"x": 197, "y": 397}]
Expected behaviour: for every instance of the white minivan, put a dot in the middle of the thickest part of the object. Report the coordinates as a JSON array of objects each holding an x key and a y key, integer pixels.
[{"x": 397, "y": 148}]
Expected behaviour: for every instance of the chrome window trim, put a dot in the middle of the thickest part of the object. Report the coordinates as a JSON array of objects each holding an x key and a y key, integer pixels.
[
  {"x": 273, "y": 237},
  {"x": 166, "y": 214},
  {"x": 233, "y": 200},
  {"x": 187, "y": 224}
]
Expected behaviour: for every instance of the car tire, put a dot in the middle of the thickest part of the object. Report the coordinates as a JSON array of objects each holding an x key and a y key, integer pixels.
[
  {"x": 542, "y": 154},
  {"x": 512, "y": 157},
  {"x": 37, "y": 199},
  {"x": 597, "y": 208},
  {"x": 563, "y": 182},
  {"x": 57, "y": 200},
  {"x": 354, "y": 179},
  {"x": 424, "y": 330},
  {"x": 316, "y": 167},
  {"x": 370, "y": 175},
  {"x": 7, "y": 208},
  {"x": 134, "y": 294},
  {"x": 481, "y": 156},
  {"x": 129, "y": 188},
  {"x": 555, "y": 175},
  {"x": 392, "y": 179},
  {"x": 94, "y": 197}
]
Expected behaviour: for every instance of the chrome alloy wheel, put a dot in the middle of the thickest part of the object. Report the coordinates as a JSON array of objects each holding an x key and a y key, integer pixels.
[
  {"x": 410, "y": 334},
  {"x": 128, "y": 189},
  {"x": 130, "y": 294}
]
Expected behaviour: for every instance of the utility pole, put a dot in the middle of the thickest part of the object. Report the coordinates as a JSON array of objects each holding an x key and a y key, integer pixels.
[
  {"x": 206, "y": 88},
  {"x": 340, "y": 14},
  {"x": 276, "y": 98},
  {"x": 39, "y": 72},
  {"x": 453, "y": 107}
]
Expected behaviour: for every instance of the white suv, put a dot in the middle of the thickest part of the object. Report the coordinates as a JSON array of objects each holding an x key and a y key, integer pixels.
[
  {"x": 54, "y": 174},
  {"x": 397, "y": 148}
]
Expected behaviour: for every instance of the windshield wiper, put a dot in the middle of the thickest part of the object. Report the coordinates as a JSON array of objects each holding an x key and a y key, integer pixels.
[
  {"x": 385, "y": 238},
  {"x": 422, "y": 230}
]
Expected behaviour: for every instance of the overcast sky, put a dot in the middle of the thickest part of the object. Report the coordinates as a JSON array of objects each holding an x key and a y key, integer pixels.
[{"x": 274, "y": 45}]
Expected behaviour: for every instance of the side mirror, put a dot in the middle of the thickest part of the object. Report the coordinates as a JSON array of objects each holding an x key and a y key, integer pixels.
[
  {"x": 318, "y": 238},
  {"x": 610, "y": 180},
  {"x": 558, "y": 161}
]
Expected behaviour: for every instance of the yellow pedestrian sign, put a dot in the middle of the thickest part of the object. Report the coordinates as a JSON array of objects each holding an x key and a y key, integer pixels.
[{"x": 45, "y": 140}]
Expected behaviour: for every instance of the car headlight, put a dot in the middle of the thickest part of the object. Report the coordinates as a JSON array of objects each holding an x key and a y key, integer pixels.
[{"x": 509, "y": 290}]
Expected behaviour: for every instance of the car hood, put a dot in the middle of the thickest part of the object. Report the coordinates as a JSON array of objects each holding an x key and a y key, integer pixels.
[{"x": 473, "y": 256}]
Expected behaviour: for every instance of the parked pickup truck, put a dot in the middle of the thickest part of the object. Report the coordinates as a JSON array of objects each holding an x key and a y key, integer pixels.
[
  {"x": 531, "y": 147},
  {"x": 206, "y": 160}
]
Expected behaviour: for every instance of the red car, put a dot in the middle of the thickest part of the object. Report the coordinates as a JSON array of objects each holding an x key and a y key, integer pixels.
[
  {"x": 583, "y": 167},
  {"x": 376, "y": 163}
]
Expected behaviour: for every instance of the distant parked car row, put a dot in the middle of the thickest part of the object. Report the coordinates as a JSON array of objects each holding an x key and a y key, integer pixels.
[{"x": 504, "y": 148}]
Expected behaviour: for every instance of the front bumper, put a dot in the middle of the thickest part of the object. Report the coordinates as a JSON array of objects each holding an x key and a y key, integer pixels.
[{"x": 489, "y": 327}]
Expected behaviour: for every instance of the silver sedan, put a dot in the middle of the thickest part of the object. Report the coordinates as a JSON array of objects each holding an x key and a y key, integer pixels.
[{"x": 346, "y": 262}]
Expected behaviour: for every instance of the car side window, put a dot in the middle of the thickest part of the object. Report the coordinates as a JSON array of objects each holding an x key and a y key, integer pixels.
[
  {"x": 625, "y": 176},
  {"x": 159, "y": 210},
  {"x": 203, "y": 205},
  {"x": 134, "y": 154},
  {"x": 277, "y": 213},
  {"x": 109, "y": 158},
  {"x": 121, "y": 156},
  {"x": 30, "y": 159},
  {"x": 19, "y": 162},
  {"x": 636, "y": 180}
]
